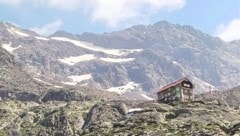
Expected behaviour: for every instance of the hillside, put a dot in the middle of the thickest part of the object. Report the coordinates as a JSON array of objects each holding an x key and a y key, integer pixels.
[
  {"x": 230, "y": 96},
  {"x": 133, "y": 62},
  {"x": 32, "y": 107},
  {"x": 15, "y": 84}
]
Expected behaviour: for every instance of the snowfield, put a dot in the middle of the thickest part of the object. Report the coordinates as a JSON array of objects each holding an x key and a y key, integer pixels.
[
  {"x": 9, "y": 48},
  {"x": 41, "y": 38},
  {"x": 135, "y": 109},
  {"x": 147, "y": 97},
  {"x": 39, "y": 80},
  {"x": 90, "y": 46},
  {"x": 84, "y": 84},
  {"x": 77, "y": 79},
  {"x": 16, "y": 32},
  {"x": 122, "y": 89},
  {"x": 73, "y": 60},
  {"x": 118, "y": 60},
  {"x": 88, "y": 57}
]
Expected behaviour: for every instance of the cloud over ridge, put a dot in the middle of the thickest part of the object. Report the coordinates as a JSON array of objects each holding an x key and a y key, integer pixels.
[
  {"x": 109, "y": 12},
  {"x": 48, "y": 28},
  {"x": 230, "y": 31}
]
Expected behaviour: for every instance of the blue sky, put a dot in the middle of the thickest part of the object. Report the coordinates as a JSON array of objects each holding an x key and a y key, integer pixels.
[{"x": 216, "y": 17}]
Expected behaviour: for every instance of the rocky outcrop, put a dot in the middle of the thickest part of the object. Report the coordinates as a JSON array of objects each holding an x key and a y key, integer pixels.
[
  {"x": 148, "y": 118},
  {"x": 102, "y": 114},
  {"x": 229, "y": 96},
  {"x": 64, "y": 95},
  {"x": 91, "y": 118},
  {"x": 20, "y": 96},
  {"x": 52, "y": 118}
]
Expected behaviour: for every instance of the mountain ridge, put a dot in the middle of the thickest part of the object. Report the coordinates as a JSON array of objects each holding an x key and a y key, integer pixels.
[{"x": 164, "y": 53}]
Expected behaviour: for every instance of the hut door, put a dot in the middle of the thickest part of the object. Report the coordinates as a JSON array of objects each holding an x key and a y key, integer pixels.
[{"x": 177, "y": 91}]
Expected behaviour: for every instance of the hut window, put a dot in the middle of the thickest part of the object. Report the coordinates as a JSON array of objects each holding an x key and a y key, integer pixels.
[
  {"x": 186, "y": 85},
  {"x": 177, "y": 92},
  {"x": 161, "y": 96},
  {"x": 174, "y": 98}
]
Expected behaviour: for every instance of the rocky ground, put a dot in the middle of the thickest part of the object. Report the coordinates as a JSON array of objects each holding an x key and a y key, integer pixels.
[
  {"x": 201, "y": 118},
  {"x": 118, "y": 118},
  {"x": 231, "y": 96},
  {"x": 51, "y": 118}
]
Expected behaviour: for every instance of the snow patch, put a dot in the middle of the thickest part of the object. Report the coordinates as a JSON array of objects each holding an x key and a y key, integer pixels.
[
  {"x": 56, "y": 86},
  {"x": 74, "y": 60},
  {"x": 135, "y": 109},
  {"x": 41, "y": 38},
  {"x": 77, "y": 79},
  {"x": 9, "y": 48},
  {"x": 90, "y": 46},
  {"x": 122, "y": 89},
  {"x": 16, "y": 32},
  {"x": 147, "y": 97},
  {"x": 118, "y": 60},
  {"x": 129, "y": 51},
  {"x": 174, "y": 62},
  {"x": 84, "y": 84},
  {"x": 39, "y": 80}
]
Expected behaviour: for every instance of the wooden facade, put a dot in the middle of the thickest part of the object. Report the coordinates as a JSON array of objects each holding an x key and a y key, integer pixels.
[{"x": 181, "y": 90}]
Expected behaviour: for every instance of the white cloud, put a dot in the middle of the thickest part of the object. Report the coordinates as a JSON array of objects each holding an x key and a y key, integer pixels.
[
  {"x": 110, "y": 12},
  {"x": 58, "y": 4},
  {"x": 49, "y": 28},
  {"x": 230, "y": 31},
  {"x": 115, "y": 12},
  {"x": 10, "y": 2}
]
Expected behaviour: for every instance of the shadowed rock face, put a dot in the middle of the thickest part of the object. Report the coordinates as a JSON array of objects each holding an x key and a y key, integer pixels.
[{"x": 6, "y": 59}]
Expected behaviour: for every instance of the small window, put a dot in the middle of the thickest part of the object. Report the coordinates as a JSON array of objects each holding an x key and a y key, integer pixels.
[
  {"x": 174, "y": 98},
  {"x": 186, "y": 85}
]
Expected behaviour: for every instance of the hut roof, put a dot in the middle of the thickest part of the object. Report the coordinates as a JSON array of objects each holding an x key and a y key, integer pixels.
[{"x": 172, "y": 84}]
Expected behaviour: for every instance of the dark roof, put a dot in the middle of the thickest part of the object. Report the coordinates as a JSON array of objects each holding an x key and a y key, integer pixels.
[{"x": 172, "y": 84}]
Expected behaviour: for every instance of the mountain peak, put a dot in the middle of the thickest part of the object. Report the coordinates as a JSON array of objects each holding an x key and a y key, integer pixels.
[
  {"x": 62, "y": 33},
  {"x": 163, "y": 23}
]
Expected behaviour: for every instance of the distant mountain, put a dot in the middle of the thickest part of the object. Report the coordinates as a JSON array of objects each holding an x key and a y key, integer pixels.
[{"x": 134, "y": 61}]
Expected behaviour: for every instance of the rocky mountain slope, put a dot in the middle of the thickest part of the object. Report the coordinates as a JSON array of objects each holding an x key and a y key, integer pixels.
[
  {"x": 140, "y": 58},
  {"x": 15, "y": 84},
  {"x": 29, "y": 107}
]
